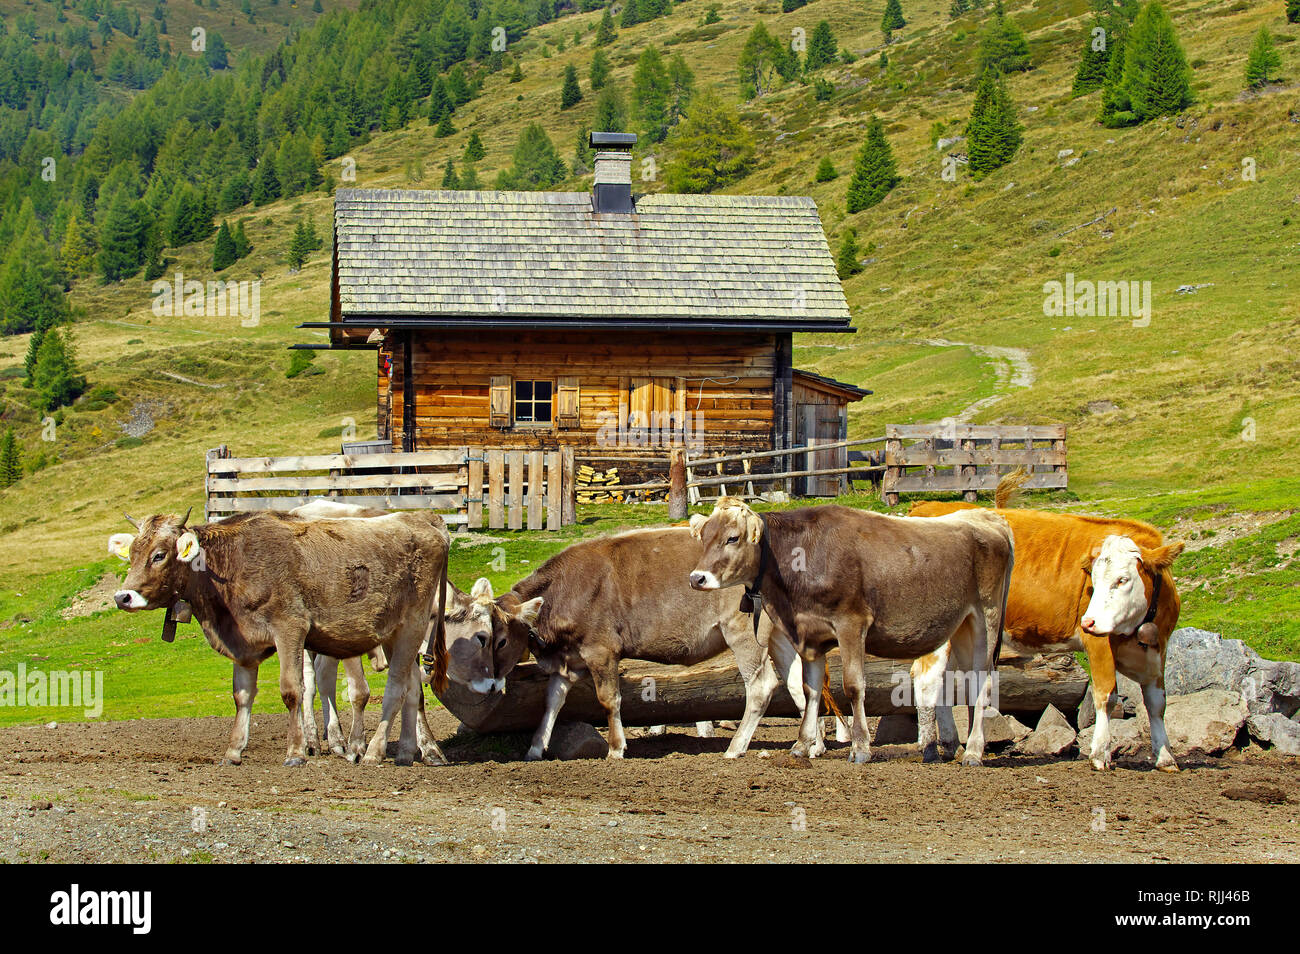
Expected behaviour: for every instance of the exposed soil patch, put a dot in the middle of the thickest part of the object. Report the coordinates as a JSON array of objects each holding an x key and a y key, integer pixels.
[
  {"x": 150, "y": 790},
  {"x": 1224, "y": 527},
  {"x": 95, "y": 599}
]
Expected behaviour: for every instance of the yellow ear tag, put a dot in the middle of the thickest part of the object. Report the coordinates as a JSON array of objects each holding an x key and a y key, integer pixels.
[{"x": 187, "y": 547}]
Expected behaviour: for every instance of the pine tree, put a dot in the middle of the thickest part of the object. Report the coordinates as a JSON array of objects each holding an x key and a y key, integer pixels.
[
  {"x": 874, "y": 172},
  {"x": 440, "y": 103},
  {"x": 600, "y": 69},
  {"x": 78, "y": 250},
  {"x": 1293, "y": 11},
  {"x": 11, "y": 460},
  {"x": 611, "y": 110},
  {"x": 469, "y": 177},
  {"x": 444, "y": 127},
  {"x": 760, "y": 62},
  {"x": 892, "y": 19},
  {"x": 120, "y": 255},
  {"x": 55, "y": 376},
  {"x": 516, "y": 75},
  {"x": 1003, "y": 46},
  {"x": 711, "y": 148},
  {"x": 958, "y": 8},
  {"x": 681, "y": 88},
  {"x": 606, "y": 33},
  {"x": 242, "y": 245},
  {"x": 1156, "y": 79},
  {"x": 474, "y": 150},
  {"x": 1093, "y": 65},
  {"x": 266, "y": 184},
  {"x": 822, "y": 48},
  {"x": 584, "y": 156},
  {"x": 788, "y": 6},
  {"x": 31, "y": 280},
  {"x": 825, "y": 170},
  {"x": 449, "y": 180},
  {"x": 1264, "y": 61},
  {"x": 536, "y": 164},
  {"x": 650, "y": 91},
  {"x": 846, "y": 259},
  {"x": 571, "y": 92},
  {"x": 224, "y": 253},
  {"x": 630, "y": 15},
  {"x": 300, "y": 246},
  {"x": 993, "y": 133}
]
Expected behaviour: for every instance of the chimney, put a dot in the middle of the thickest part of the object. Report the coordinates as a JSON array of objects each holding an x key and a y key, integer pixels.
[{"x": 612, "y": 191}]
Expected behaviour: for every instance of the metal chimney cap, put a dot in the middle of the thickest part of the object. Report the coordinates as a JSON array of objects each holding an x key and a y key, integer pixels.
[{"x": 612, "y": 140}]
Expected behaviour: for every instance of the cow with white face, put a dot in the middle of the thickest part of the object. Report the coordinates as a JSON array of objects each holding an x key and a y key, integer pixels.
[{"x": 1130, "y": 587}]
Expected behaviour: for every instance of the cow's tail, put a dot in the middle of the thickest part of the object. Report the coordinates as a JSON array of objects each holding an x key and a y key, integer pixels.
[
  {"x": 439, "y": 638},
  {"x": 996, "y": 655},
  {"x": 830, "y": 704},
  {"x": 1009, "y": 486}
]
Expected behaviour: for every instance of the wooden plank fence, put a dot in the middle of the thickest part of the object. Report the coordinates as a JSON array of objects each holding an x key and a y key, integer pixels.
[
  {"x": 519, "y": 488},
  {"x": 966, "y": 458}
]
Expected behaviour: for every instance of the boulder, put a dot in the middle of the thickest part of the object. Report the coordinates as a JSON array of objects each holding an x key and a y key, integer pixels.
[
  {"x": 577, "y": 740},
  {"x": 1205, "y": 722},
  {"x": 1128, "y": 703},
  {"x": 1052, "y": 716},
  {"x": 1276, "y": 730},
  {"x": 999, "y": 729},
  {"x": 1047, "y": 741},
  {"x": 947, "y": 141},
  {"x": 1199, "y": 660},
  {"x": 1129, "y": 738}
]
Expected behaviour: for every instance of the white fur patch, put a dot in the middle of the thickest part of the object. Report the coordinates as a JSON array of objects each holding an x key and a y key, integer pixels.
[
  {"x": 1119, "y": 600},
  {"x": 134, "y": 600}
]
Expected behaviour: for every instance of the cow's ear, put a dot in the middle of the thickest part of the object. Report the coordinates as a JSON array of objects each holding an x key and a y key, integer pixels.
[
  {"x": 1162, "y": 558},
  {"x": 698, "y": 520},
  {"x": 119, "y": 544},
  {"x": 755, "y": 533},
  {"x": 530, "y": 610},
  {"x": 1086, "y": 563},
  {"x": 187, "y": 546},
  {"x": 482, "y": 589}
]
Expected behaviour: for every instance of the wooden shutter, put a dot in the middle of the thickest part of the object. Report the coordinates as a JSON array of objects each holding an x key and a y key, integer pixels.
[
  {"x": 566, "y": 402},
  {"x": 500, "y": 402}
]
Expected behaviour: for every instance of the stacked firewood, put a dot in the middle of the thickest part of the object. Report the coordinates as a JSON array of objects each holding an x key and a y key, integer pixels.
[{"x": 593, "y": 485}]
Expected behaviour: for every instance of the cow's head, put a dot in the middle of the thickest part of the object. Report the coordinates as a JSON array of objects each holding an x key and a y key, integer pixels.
[
  {"x": 1123, "y": 581},
  {"x": 732, "y": 537},
  {"x": 486, "y": 637},
  {"x": 160, "y": 554}
]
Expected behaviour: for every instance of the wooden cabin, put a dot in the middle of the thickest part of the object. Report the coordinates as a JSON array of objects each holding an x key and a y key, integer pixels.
[{"x": 618, "y": 324}]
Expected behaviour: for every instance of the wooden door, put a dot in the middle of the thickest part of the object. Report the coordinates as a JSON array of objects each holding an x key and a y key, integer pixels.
[{"x": 821, "y": 424}]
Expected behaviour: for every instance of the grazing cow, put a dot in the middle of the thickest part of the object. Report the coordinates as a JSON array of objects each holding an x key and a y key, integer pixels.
[
  {"x": 1096, "y": 584},
  {"x": 624, "y": 597},
  {"x": 870, "y": 583},
  {"x": 274, "y": 583}
]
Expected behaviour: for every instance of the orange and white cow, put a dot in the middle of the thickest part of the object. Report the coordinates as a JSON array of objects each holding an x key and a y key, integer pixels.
[{"x": 1100, "y": 585}]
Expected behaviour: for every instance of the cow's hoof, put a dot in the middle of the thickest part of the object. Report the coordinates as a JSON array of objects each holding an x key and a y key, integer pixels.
[
  {"x": 1167, "y": 765},
  {"x": 800, "y": 751},
  {"x": 369, "y": 759},
  {"x": 534, "y": 755},
  {"x": 972, "y": 761},
  {"x": 434, "y": 757},
  {"x": 817, "y": 750},
  {"x": 232, "y": 760},
  {"x": 295, "y": 762},
  {"x": 354, "y": 757},
  {"x": 859, "y": 756},
  {"x": 614, "y": 755},
  {"x": 337, "y": 749},
  {"x": 930, "y": 753},
  {"x": 1102, "y": 765},
  {"x": 404, "y": 760},
  {"x": 732, "y": 755},
  {"x": 949, "y": 754}
]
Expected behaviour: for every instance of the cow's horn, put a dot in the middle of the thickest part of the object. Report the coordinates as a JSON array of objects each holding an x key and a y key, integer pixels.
[
  {"x": 132, "y": 521},
  {"x": 186, "y": 519}
]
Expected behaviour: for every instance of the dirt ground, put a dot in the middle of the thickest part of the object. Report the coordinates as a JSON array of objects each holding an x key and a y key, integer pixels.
[{"x": 151, "y": 790}]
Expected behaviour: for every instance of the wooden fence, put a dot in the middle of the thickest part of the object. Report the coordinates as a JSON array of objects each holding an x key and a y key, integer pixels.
[
  {"x": 967, "y": 458},
  {"x": 516, "y": 489}
]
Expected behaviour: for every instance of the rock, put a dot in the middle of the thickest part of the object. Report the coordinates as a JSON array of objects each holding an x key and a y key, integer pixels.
[
  {"x": 1205, "y": 722},
  {"x": 943, "y": 144},
  {"x": 1051, "y": 740},
  {"x": 1072, "y": 162},
  {"x": 1129, "y": 738},
  {"x": 1128, "y": 704},
  {"x": 1277, "y": 730},
  {"x": 1052, "y": 717},
  {"x": 999, "y": 729},
  {"x": 895, "y": 729},
  {"x": 1064, "y": 153},
  {"x": 1199, "y": 660},
  {"x": 577, "y": 740}
]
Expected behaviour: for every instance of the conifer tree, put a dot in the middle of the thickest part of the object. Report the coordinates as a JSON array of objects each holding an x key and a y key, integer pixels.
[
  {"x": 242, "y": 245},
  {"x": 958, "y": 8},
  {"x": 892, "y": 19},
  {"x": 469, "y": 177},
  {"x": 120, "y": 255},
  {"x": 1003, "y": 46},
  {"x": 55, "y": 376},
  {"x": 711, "y": 148},
  {"x": 11, "y": 461},
  {"x": 78, "y": 250},
  {"x": 650, "y": 93},
  {"x": 224, "y": 253},
  {"x": 630, "y": 15},
  {"x": 1293, "y": 11},
  {"x": 600, "y": 69},
  {"x": 822, "y": 48},
  {"x": 874, "y": 172},
  {"x": 825, "y": 170},
  {"x": 606, "y": 33},
  {"x": 846, "y": 259},
  {"x": 993, "y": 133},
  {"x": 1156, "y": 80},
  {"x": 440, "y": 103},
  {"x": 516, "y": 75},
  {"x": 300, "y": 246},
  {"x": 1264, "y": 62},
  {"x": 474, "y": 150},
  {"x": 571, "y": 92},
  {"x": 444, "y": 127},
  {"x": 611, "y": 110}
]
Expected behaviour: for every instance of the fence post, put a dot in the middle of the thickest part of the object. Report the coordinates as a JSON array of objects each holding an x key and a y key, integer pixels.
[
  {"x": 677, "y": 484},
  {"x": 968, "y": 472},
  {"x": 496, "y": 491},
  {"x": 893, "y": 450},
  {"x": 554, "y": 493},
  {"x": 217, "y": 453},
  {"x": 535, "y": 478},
  {"x": 516, "y": 490},
  {"x": 568, "y": 488},
  {"x": 474, "y": 489}
]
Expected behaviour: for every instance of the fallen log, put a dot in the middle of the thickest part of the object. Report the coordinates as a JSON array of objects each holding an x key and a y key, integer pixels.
[{"x": 659, "y": 695}]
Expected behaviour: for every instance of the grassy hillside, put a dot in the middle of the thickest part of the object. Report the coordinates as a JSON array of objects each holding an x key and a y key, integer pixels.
[{"x": 949, "y": 310}]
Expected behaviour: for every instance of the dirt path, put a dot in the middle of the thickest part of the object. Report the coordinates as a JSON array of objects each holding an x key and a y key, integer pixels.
[
  {"x": 1011, "y": 365},
  {"x": 135, "y": 791}
]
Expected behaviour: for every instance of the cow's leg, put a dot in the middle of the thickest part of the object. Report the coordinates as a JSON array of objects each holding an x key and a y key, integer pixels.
[
  {"x": 556, "y": 691},
  {"x": 1101, "y": 662},
  {"x": 970, "y": 655},
  {"x": 948, "y": 741},
  {"x": 430, "y": 753},
  {"x": 289, "y": 646},
  {"x": 245, "y": 691},
  {"x": 603, "y": 666},
  {"x": 326, "y": 671},
  {"x": 358, "y": 696},
  {"x": 929, "y": 674},
  {"x": 789, "y": 667},
  {"x": 408, "y": 737},
  {"x": 1146, "y": 666},
  {"x": 853, "y": 658},
  {"x": 401, "y": 662},
  {"x": 311, "y": 731},
  {"x": 755, "y": 665},
  {"x": 814, "y": 677}
]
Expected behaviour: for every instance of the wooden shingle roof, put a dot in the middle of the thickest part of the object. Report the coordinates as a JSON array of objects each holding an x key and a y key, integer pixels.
[{"x": 446, "y": 258}]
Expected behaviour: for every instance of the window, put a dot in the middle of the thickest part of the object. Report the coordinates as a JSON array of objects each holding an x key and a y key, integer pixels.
[{"x": 533, "y": 402}]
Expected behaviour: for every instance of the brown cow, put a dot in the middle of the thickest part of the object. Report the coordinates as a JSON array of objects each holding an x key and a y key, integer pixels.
[
  {"x": 871, "y": 584},
  {"x": 625, "y": 597},
  {"x": 1120, "y": 570},
  {"x": 269, "y": 583}
]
